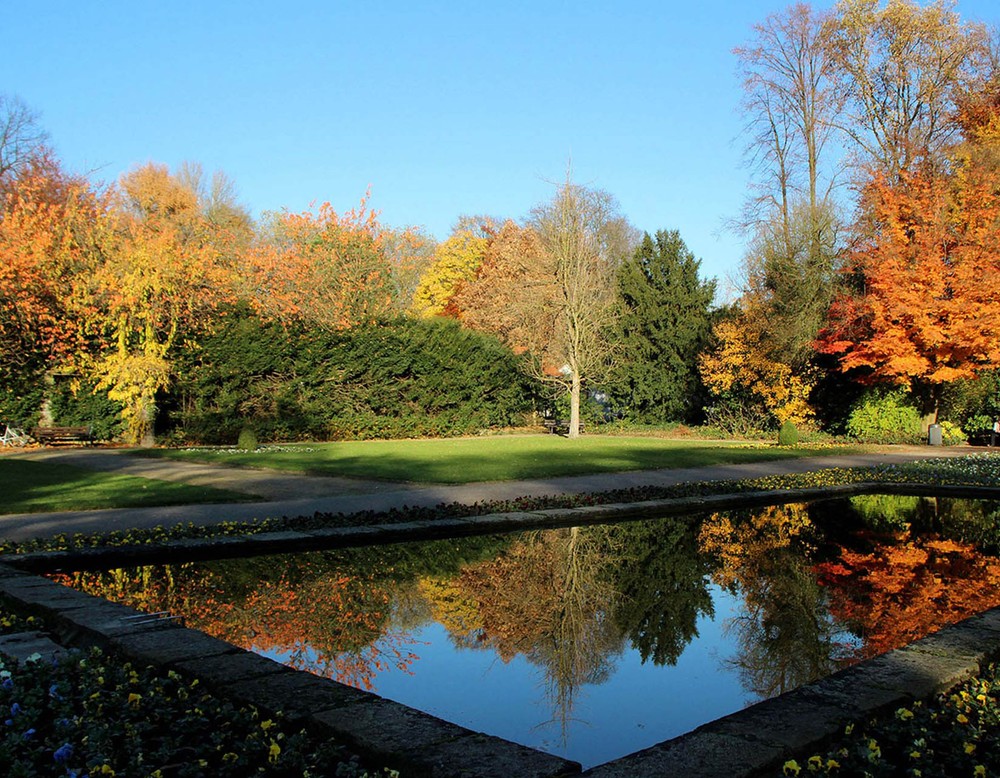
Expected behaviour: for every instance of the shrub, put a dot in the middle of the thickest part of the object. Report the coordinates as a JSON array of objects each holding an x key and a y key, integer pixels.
[
  {"x": 951, "y": 434},
  {"x": 247, "y": 440},
  {"x": 977, "y": 424},
  {"x": 788, "y": 435},
  {"x": 405, "y": 378},
  {"x": 884, "y": 417}
]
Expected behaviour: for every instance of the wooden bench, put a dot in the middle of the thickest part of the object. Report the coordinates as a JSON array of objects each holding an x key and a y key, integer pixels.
[
  {"x": 56, "y": 436},
  {"x": 559, "y": 426}
]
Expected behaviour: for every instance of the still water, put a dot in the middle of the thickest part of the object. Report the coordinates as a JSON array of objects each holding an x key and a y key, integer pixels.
[{"x": 594, "y": 642}]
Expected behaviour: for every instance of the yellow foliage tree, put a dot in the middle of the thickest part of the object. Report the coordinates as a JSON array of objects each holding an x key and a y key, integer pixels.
[
  {"x": 739, "y": 367},
  {"x": 160, "y": 271},
  {"x": 455, "y": 262}
]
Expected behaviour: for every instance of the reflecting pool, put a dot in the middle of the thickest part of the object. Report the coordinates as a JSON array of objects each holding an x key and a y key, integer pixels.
[{"x": 594, "y": 642}]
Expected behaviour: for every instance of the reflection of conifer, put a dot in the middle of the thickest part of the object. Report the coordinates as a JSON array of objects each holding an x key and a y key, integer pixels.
[{"x": 662, "y": 580}]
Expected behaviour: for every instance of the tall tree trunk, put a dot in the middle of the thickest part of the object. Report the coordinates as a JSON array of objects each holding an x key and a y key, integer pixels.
[{"x": 574, "y": 406}]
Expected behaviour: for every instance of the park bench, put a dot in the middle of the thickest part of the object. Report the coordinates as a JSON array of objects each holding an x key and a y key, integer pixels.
[
  {"x": 56, "y": 436},
  {"x": 559, "y": 426}
]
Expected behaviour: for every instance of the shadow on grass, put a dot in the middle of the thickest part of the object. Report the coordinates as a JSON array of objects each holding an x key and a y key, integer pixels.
[
  {"x": 35, "y": 487},
  {"x": 469, "y": 460}
]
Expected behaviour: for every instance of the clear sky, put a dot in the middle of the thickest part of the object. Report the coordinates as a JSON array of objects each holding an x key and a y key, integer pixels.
[{"x": 442, "y": 108}]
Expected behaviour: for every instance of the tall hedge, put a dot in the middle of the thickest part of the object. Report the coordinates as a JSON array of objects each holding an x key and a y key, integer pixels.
[{"x": 398, "y": 379}]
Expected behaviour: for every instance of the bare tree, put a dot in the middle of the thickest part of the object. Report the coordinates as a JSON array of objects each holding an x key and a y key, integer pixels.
[
  {"x": 21, "y": 137},
  {"x": 900, "y": 70},
  {"x": 790, "y": 106},
  {"x": 549, "y": 288},
  {"x": 584, "y": 238}
]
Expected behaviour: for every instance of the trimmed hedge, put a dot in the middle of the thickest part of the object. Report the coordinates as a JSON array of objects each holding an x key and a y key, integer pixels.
[{"x": 406, "y": 378}]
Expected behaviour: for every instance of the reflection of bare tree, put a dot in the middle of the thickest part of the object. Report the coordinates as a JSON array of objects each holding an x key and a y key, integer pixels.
[
  {"x": 547, "y": 598},
  {"x": 785, "y": 635},
  {"x": 584, "y": 642}
]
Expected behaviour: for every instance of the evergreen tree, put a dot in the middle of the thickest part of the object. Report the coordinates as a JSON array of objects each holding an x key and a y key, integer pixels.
[{"x": 665, "y": 323}]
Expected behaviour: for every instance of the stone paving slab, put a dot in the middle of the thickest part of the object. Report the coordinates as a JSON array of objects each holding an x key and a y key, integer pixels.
[{"x": 24, "y": 645}]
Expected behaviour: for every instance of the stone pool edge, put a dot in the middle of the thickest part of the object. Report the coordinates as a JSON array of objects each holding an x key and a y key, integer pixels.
[
  {"x": 744, "y": 743},
  {"x": 292, "y": 540}
]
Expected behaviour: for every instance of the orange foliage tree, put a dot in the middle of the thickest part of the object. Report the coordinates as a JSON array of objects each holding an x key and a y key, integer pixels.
[
  {"x": 323, "y": 267},
  {"x": 926, "y": 307},
  {"x": 47, "y": 227},
  {"x": 506, "y": 296}
]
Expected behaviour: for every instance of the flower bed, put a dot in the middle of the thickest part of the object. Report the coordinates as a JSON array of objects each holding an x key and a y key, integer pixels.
[
  {"x": 957, "y": 733},
  {"x": 93, "y": 714}
]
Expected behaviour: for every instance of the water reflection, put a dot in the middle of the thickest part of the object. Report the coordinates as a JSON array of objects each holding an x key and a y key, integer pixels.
[{"x": 783, "y": 595}]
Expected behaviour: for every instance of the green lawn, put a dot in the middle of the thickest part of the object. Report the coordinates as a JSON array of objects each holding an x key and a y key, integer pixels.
[
  {"x": 36, "y": 487},
  {"x": 501, "y": 458}
]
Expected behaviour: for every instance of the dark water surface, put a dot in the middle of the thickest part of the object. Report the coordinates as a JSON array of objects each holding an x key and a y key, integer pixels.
[{"x": 594, "y": 642}]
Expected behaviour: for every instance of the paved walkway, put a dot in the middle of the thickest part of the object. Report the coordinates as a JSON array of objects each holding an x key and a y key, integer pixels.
[{"x": 301, "y": 495}]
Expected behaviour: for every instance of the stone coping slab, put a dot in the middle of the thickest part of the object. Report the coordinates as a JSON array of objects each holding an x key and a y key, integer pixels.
[{"x": 293, "y": 540}]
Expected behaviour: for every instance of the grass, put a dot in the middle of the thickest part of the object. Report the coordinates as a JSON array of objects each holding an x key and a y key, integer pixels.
[
  {"x": 972, "y": 470},
  {"x": 35, "y": 487},
  {"x": 467, "y": 460}
]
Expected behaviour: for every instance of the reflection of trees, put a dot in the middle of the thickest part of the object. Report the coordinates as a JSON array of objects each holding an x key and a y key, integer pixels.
[
  {"x": 904, "y": 588},
  {"x": 546, "y": 598},
  {"x": 784, "y": 634},
  {"x": 339, "y": 614},
  {"x": 661, "y": 578},
  {"x": 326, "y": 621}
]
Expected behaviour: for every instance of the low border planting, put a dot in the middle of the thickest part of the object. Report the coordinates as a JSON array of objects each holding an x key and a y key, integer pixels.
[
  {"x": 954, "y": 734},
  {"x": 96, "y": 714}
]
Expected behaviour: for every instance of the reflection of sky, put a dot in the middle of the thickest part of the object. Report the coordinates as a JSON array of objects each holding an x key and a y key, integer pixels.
[{"x": 639, "y": 706}]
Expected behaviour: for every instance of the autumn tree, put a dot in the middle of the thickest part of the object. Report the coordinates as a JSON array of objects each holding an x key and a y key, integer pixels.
[
  {"x": 49, "y": 223},
  {"x": 664, "y": 324},
  {"x": 161, "y": 271},
  {"x": 750, "y": 390},
  {"x": 455, "y": 261},
  {"x": 507, "y": 296},
  {"x": 217, "y": 199},
  {"x": 323, "y": 267},
  {"x": 926, "y": 310},
  {"x": 900, "y": 68},
  {"x": 410, "y": 252}
]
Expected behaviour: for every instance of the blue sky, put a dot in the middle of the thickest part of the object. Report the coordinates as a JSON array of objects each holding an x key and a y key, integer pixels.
[{"x": 442, "y": 108}]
